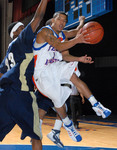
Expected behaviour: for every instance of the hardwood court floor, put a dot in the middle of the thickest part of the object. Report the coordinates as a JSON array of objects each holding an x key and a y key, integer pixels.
[{"x": 94, "y": 133}]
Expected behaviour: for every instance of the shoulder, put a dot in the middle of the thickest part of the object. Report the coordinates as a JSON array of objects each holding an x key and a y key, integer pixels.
[
  {"x": 45, "y": 31},
  {"x": 26, "y": 35},
  {"x": 12, "y": 44},
  {"x": 27, "y": 31}
]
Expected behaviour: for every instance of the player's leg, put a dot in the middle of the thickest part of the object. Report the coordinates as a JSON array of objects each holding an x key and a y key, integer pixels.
[
  {"x": 96, "y": 106},
  {"x": 24, "y": 111},
  {"x": 68, "y": 125},
  {"x": 36, "y": 144},
  {"x": 44, "y": 104},
  {"x": 74, "y": 109},
  {"x": 54, "y": 135},
  {"x": 42, "y": 113}
]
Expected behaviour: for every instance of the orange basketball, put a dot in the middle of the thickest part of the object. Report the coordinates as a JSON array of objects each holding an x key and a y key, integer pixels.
[{"x": 95, "y": 32}]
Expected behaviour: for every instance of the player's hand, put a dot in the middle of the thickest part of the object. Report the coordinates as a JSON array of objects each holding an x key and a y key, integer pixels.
[
  {"x": 86, "y": 59},
  {"x": 81, "y": 18},
  {"x": 35, "y": 88},
  {"x": 81, "y": 36},
  {"x": 83, "y": 100}
]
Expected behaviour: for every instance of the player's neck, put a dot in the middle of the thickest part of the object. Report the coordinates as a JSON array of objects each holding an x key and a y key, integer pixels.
[{"x": 56, "y": 31}]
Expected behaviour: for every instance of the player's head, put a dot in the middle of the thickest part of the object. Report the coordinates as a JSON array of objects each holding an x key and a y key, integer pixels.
[
  {"x": 48, "y": 22},
  {"x": 14, "y": 29},
  {"x": 59, "y": 20},
  {"x": 58, "y": 13}
]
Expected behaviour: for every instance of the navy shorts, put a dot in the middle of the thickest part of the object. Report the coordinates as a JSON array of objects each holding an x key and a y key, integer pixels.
[
  {"x": 17, "y": 107},
  {"x": 43, "y": 102}
]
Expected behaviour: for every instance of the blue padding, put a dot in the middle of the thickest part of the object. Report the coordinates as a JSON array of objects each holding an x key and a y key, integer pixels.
[{"x": 51, "y": 147}]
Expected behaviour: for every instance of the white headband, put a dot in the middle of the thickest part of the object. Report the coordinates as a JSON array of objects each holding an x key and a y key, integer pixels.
[{"x": 15, "y": 28}]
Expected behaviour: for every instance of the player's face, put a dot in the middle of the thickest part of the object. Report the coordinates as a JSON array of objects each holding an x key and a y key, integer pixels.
[
  {"x": 59, "y": 22},
  {"x": 20, "y": 29},
  {"x": 17, "y": 32}
]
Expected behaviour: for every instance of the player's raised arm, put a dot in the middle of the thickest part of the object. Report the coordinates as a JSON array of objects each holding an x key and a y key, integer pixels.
[
  {"x": 39, "y": 15},
  {"x": 73, "y": 32}
]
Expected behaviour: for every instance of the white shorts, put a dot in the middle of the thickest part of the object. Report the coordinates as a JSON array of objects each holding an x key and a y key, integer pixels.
[{"x": 48, "y": 80}]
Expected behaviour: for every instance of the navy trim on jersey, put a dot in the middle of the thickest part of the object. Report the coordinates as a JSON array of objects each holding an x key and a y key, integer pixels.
[{"x": 36, "y": 49}]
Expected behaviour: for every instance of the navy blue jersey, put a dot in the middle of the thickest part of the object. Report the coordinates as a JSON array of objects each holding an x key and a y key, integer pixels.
[
  {"x": 17, "y": 100},
  {"x": 18, "y": 63}
]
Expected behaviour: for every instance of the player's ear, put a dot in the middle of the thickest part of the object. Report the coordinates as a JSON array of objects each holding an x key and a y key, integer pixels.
[
  {"x": 15, "y": 34},
  {"x": 52, "y": 20}
]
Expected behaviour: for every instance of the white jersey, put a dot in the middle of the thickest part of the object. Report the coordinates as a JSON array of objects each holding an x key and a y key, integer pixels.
[
  {"x": 50, "y": 71},
  {"x": 48, "y": 53}
]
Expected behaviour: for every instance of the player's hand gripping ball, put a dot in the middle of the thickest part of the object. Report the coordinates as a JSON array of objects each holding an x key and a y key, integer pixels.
[{"x": 95, "y": 32}]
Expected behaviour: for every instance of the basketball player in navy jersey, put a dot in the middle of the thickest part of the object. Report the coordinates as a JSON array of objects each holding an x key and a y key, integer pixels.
[
  {"x": 50, "y": 71},
  {"x": 17, "y": 100}
]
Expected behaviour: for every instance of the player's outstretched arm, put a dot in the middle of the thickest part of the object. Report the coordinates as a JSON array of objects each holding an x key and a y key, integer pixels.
[
  {"x": 72, "y": 33},
  {"x": 46, "y": 35},
  {"x": 39, "y": 15},
  {"x": 68, "y": 57},
  {"x": 84, "y": 59}
]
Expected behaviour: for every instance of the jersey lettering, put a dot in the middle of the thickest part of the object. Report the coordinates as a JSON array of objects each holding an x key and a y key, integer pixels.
[
  {"x": 10, "y": 62},
  {"x": 53, "y": 59},
  {"x": 51, "y": 48}
]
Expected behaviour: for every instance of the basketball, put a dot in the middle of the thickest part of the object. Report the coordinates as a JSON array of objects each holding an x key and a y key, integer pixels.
[{"x": 95, "y": 32}]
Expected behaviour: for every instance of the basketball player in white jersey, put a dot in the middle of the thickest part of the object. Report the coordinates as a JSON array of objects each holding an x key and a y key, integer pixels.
[
  {"x": 50, "y": 71},
  {"x": 44, "y": 103}
]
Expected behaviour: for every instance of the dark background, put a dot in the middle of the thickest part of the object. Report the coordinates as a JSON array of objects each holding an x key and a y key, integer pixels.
[
  {"x": 0, "y": 28},
  {"x": 101, "y": 80}
]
